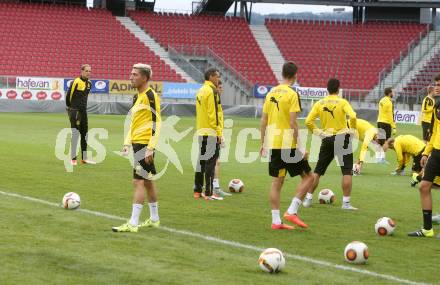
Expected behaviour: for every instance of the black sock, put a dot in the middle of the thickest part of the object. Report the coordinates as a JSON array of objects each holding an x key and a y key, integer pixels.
[
  {"x": 427, "y": 219},
  {"x": 419, "y": 177}
]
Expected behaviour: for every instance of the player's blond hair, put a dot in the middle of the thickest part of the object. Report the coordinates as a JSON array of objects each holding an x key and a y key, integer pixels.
[
  {"x": 84, "y": 66},
  {"x": 145, "y": 69}
]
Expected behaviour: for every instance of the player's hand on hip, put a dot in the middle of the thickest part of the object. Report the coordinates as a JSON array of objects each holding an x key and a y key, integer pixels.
[{"x": 149, "y": 156}]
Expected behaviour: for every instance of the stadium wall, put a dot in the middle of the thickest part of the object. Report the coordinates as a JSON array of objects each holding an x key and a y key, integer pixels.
[
  {"x": 41, "y": 94},
  {"x": 179, "y": 109}
]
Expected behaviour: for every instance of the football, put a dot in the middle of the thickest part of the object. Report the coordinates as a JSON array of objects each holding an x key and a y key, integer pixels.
[
  {"x": 356, "y": 252},
  {"x": 385, "y": 226},
  {"x": 356, "y": 169},
  {"x": 236, "y": 186},
  {"x": 326, "y": 196},
  {"x": 71, "y": 201},
  {"x": 271, "y": 260}
]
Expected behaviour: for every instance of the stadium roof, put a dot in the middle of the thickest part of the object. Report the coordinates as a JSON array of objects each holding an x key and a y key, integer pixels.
[
  {"x": 377, "y": 3},
  {"x": 216, "y": 6}
]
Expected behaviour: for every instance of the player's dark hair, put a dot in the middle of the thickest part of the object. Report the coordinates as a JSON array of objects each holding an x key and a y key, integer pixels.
[
  {"x": 333, "y": 86},
  {"x": 388, "y": 91},
  {"x": 289, "y": 70},
  {"x": 210, "y": 72}
]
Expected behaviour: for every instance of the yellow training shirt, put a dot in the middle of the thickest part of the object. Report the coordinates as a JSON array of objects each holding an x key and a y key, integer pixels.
[
  {"x": 145, "y": 119},
  {"x": 434, "y": 142},
  {"x": 332, "y": 111},
  {"x": 279, "y": 103},
  {"x": 427, "y": 108},
  {"x": 366, "y": 133},
  {"x": 407, "y": 145},
  {"x": 220, "y": 115},
  {"x": 386, "y": 112},
  {"x": 207, "y": 111}
]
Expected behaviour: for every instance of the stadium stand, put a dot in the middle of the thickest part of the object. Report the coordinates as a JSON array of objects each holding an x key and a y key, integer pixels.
[
  {"x": 354, "y": 53},
  {"x": 230, "y": 38},
  {"x": 423, "y": 78},
  {"x": 54, "y": 40}
]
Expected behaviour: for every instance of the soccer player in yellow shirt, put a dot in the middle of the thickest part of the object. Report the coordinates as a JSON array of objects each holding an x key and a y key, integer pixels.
[
  {"x": 279, "y": 139},
  {"x": 216, "y": 181},
  {"x": 432, "y": 169},
  {"x": 407, "y": 146},
  {"x": 427, "y": 108},
  {"x": 209, "y": 130},
  {"x": 336, "y": 139},
  {"x": 143, "y": 137},
  {"x": 385, "y": 119},
  {"x": 367, "y": 134}
]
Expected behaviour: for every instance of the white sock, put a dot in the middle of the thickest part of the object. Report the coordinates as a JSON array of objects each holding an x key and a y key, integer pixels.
[
  {"x": 216, "y": 183},
  {"x": 276, "y": 220},
  {"x": 135, "y": 213},
  {"x": 346, "y": 199},
  {"x": 309, "y": 196},
  {"x": 154, "y": 211},
  {"x": 380, "y": 155},
  {"x": 293, "y": 208}
]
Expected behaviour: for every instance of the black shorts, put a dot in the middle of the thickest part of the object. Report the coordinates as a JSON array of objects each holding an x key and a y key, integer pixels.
[
  {"x": 142, "y": 170},
  {"x": 343, "y": 153},
  {"x": 282, "y": 160},
  {"x": 426, "y": 127},
  {"x": 416, "y": 167},
  {"x": 78, "y": 119},
  {"x": 387, "y": 129},
  {"x": 432, "y": 168}
]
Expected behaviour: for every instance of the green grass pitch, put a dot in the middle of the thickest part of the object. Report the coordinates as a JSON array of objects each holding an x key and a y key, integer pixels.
[{"x": 42, "y": 244}]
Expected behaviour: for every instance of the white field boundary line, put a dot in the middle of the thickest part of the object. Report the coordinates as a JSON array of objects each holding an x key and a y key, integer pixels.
[{"x": 231, "y": 243}]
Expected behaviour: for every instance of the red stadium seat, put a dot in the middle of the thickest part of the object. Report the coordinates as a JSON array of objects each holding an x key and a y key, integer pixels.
[
  {"x": 230, "y": 38},
  {"x": 355, "y": 53},
  {"x": 425, "y": 77},
  {"x": 61, "y": 38}
]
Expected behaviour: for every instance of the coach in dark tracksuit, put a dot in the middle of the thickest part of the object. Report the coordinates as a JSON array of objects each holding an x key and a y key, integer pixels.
[{"x": 76, "y": 102}]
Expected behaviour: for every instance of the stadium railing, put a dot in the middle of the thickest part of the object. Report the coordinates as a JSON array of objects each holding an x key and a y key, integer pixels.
[
  {"x": 413, "y": 59},
  {"x": 204, "y": 51},
  {"x": 183, "y": 63}
]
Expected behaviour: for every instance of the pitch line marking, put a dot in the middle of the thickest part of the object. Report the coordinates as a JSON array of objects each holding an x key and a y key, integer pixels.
[{"x": 231, "y": 243}]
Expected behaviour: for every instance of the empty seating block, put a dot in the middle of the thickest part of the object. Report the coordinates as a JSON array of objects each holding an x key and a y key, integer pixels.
[
  {"x": 229, "y": 38},
  {"x": 354, "y": 53},
  {"x": 54, "y": 40},
  {"x": 425, "y": 77}
]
